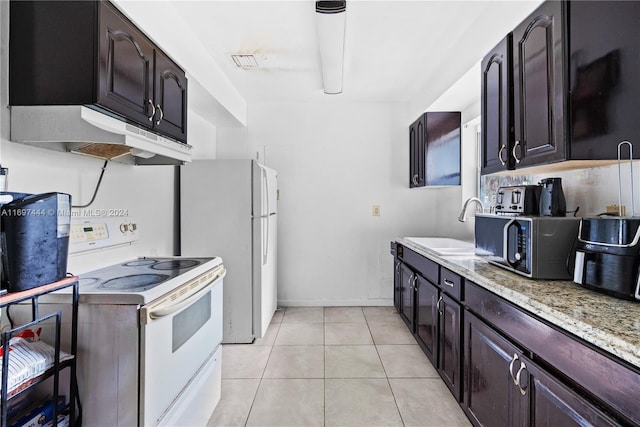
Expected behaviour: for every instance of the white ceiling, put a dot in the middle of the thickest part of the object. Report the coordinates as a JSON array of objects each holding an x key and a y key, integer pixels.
[{"x": 395, "y": 51}]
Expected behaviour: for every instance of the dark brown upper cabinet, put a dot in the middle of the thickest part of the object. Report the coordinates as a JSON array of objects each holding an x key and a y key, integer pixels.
[
  {"x": 170, "y": 96},
  {"x": 604, "y": 82},
  {"x": 88, "y": 53},
  {"x": 434, "y": 149},
  {"x": 416, "y": 152},
  {"x": 574, "y": 87},
  {"x": 496, "y": 133},
  {"x": 522, "y": 93},
  {"x": 125, "y": 74},
  {"x": 538, "y": 87}
]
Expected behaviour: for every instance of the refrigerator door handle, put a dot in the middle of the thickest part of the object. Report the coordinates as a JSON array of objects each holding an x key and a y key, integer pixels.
[
  {"x": 266, "y": 187},
  {"x": 265, "y": 242},
  {"x": 265, "y": 247}
]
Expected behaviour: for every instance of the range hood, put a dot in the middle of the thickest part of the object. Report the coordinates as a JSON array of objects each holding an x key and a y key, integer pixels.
[{"x": 82, "y": 130}]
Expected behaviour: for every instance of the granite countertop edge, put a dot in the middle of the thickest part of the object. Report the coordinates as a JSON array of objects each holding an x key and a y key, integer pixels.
[{"x": 562, "y": 303}]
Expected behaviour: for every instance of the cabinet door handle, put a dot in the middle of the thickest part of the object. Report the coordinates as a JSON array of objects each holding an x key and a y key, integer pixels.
[
  {"x": 161, "y": 114},
  {"x": 438, "y": 305},
  {"x": 415, "y": 179},
  {"x": 500, "y": 154},
  {"x": 153, "y": 110},
  {"x": 448, "y": 282},
  {"x": 523, "y": 367},
  {"x": 513, "y": 376},
  {"x": 415, "y": 283},
  {"x": 409, "y": 281},
  {"x": 513, "y": 152},
  {"x": 397, "y": 267}
]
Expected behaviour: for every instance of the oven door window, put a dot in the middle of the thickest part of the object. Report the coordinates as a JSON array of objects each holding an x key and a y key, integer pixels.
[{"x": 189, "y": 321}]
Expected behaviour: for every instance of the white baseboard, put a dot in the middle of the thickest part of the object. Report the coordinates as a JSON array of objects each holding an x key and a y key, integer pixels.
[{"x": 365, "y": 302}]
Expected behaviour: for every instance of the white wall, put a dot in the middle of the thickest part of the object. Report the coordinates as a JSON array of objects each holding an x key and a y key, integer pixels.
[
  {"x": 202, "y": 135},
  {"x": 335, "y": 161},
  {"x": 146, "y": 192}
]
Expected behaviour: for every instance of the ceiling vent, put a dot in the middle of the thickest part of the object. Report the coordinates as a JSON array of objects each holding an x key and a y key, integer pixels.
[{"x": 245, "y": 61}]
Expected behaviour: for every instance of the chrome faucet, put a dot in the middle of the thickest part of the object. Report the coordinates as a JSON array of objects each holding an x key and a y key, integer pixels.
[{"x": 463, "y": 214}]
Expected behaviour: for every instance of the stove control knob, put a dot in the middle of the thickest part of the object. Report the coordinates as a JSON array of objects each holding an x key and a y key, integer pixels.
[
  {"x": 124, "y": 228},
  {"x": 133, "y": 227},
  {"x": 518, "y": 256}
]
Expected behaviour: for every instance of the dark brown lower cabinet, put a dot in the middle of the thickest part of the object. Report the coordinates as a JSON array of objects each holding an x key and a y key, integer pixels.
[
  {"x": 397, "y": 285},
  {"x": 438, "y": 332},
  {"x": 490, "y": 397},
  {"x": 504, "y": 387},
  {"x": 449, "y": 340},
  {"x": 427, "y": 318},
  {"x": 554, "y": 404},
  {"x": 407, "y": 295},
  {"x": 505, "y": 366}
]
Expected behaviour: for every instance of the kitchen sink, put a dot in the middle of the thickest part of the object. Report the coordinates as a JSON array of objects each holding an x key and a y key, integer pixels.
[{"x": 445, "y": 246}]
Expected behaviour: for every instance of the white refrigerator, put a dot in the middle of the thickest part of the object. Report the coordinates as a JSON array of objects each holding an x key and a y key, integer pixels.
[{"x": 228, "y": 208}]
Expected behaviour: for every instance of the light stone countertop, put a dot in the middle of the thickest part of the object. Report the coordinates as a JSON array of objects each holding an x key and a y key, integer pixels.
[{"x": 609, "y": 323}]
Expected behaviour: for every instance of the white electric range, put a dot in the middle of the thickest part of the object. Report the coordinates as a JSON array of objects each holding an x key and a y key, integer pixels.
[
  {"x": 141, "y": 280},
  {"x": 149, "y": 332}
]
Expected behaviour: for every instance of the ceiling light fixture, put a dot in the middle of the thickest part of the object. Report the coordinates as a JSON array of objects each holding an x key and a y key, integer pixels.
[{"x": 330, "y": 20}]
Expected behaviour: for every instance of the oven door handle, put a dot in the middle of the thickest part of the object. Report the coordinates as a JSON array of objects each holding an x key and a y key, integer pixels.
[{"x": 162, "y": 309}]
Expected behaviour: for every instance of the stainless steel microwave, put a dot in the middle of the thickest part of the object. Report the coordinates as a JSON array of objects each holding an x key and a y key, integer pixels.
[{"x": 533, "y": 246}]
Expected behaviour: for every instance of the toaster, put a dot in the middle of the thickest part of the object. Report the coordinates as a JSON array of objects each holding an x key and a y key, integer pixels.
[{"x": 518, "y": 200}]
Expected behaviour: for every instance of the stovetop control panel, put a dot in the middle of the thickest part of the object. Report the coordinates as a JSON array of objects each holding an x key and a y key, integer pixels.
[{"x": 90, "y": 233}]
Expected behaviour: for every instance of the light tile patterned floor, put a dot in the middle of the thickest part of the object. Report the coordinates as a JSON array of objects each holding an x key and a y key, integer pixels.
[{"x": 333, "y": 366}]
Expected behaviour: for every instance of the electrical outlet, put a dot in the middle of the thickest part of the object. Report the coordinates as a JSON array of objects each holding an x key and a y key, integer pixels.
[
  {"x": 614, "y": 209},
  {"x": 375, "y": 211}
]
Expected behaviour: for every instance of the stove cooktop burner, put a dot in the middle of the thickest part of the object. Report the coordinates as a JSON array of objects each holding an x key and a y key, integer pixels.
[
  {"x": 140, "y": 262},
  {"x": 134, "y": 282},
  {"x": 175, "y": 264}
]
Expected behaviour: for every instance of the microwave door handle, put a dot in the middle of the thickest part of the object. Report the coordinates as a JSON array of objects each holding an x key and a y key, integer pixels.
[{"x": 505, "y": 241}]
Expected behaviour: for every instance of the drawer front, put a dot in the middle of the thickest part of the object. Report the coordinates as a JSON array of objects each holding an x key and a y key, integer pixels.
[
  {"x": 423, "y": 265},
  {"x": 451, "y": 283}
]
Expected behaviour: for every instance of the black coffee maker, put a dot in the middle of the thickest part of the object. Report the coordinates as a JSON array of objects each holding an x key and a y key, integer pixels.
[
  {"x": 552, "y": 201},
  {"x": 34, "y": 233}
]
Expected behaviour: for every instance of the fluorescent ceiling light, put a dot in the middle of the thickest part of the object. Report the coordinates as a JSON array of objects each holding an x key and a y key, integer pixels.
[{"x": 330, "y": 19}]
